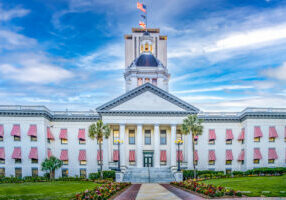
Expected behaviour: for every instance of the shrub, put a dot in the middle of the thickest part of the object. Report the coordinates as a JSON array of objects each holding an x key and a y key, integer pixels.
[
  {"x": 109, "y": 175},
  {"x": 94, "y": 176}
]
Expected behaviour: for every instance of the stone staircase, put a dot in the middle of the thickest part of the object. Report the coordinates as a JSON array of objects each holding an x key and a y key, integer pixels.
[{"x": 148, "y": 175}]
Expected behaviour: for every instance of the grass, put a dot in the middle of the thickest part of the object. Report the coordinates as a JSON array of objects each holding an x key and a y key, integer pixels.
[
  {"x": 273, "y": 186},
  {"x": 44, "y": 190}
]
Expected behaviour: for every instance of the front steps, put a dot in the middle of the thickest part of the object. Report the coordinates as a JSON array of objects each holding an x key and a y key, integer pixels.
[{"x": 148, "y": 175}]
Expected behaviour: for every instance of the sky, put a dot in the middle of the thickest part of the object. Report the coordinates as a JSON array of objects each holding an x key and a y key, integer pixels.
[{"x": 69, "y": 54}]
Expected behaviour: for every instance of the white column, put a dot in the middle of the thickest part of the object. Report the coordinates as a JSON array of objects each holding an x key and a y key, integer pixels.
[
  {"x": 105, "y": 147},
  {"x": 156, "y": 146},
  {"x": 122, "y": 146},
  {"x": 139, "y": 146},
  {"x": 173, "y": 145},
  {"x": 190, "y": 152}
]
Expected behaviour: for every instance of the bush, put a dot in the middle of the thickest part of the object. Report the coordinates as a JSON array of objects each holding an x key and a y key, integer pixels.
[
  {"x": 187, "y": 174},
  {"x": 94, "y": 176},
  {"x": 106, "y": 175}
]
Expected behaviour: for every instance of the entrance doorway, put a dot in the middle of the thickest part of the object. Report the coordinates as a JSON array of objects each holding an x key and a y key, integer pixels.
[{"x": 148, "y": 158}]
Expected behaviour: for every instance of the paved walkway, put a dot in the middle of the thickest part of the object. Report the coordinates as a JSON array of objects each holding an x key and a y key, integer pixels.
[{"x": 153, "y": 191}]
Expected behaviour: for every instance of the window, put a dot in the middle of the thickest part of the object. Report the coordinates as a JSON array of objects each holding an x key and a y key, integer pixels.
[
  {"x": 154, "y": 81},
  {"x": 1, "y": 138},
  {"x": 163, "y": 163},
  {"x": 212, "y": 141},
  {"x": 18, "y": 161},
  {"x": 83, "y": 162},
  {"x": 228, "y": 162},
  {"x": 18, "y": 172},
  {"x": 115, "y": 136},
  {"x": 139, "y": 81},
  {"x": 17, "y": 138},
  {"x": 64, "y": 141},
  {"x": 147, "y": 80},
  {"x": 211, "y": 162},
  {"x": 271, "y": 161},
  {"x": 242, "y": 141},
  {"x": 34, "y": 171},
  {"x": 82, "y": 173},
  {"x": 146, "y": 47},
  {"x": 34, "y": 160},
  {"x": 141, "y": 47},
  {"x": 256, "y": 161},
  {"x": 196, "y": 162},
  {"x": 65, "y": 162},
  {"x": 257, "y": 139},
  {"x": 228, "y": 171},
  {"x": 147, "y": 137},
  {"x": 81, "y": 141},
  {"x": 228, "y": 141},
  {"x": 131, "y": 136},
  {"x": 272, "y": 139},
  {"x": 195, "y": 141},
  {"x": 99, "y": 162},
  {"x": 65, "y": 172},
  {"x": 163, "y": 137},
  {"x": 242, "y": 162},
  {"x": 2, "y": 161},
  {"x": 179, "y": 135},
  {"x": 49, "y": 141},
  {"x": 2, "y": 172},
  {"x": 33, "y": 139}
]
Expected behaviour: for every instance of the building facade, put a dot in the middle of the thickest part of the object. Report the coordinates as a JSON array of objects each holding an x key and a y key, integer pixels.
[{"x": 147, "y": 119}]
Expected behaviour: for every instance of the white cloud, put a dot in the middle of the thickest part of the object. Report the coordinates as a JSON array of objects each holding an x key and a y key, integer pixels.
[
  {"x": 34, "y": 71},
  {"x": 278, "y": 73},
  {"x": 6, "y": 15},
  {"x": 220, "y": 88}
]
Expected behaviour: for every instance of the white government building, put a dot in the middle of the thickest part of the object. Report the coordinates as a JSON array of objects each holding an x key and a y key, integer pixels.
[{"x": 147, "y": 118}]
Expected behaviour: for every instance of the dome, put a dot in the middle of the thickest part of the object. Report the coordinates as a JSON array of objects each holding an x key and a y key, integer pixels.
[{"x": 147, "y": 60}]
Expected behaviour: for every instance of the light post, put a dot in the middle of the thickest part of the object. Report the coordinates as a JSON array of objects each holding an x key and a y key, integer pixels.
[
  {"x": 118, "y": 142},
  {"x": 179, "y": 142}
]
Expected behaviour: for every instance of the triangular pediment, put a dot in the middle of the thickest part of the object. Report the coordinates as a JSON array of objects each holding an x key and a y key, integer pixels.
[{"x": 147, "y": 98}]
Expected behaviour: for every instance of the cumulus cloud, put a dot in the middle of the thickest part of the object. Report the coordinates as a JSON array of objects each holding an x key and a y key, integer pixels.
[
  {"x": 34, "y": 71},
  {"x": 278, "y": 73},
  {"x": 6, "y": 15}
]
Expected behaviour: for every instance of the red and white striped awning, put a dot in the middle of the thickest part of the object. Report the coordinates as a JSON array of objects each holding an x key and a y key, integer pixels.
[
  {"x": 16, "y": 131},
  {"x": 1, "y": 130},
  {"x": 163, "y": 156},
  {"x": 82, "y": 155},
  {"x": 81, "y": 134},
  {"x": 272, "y": 132},
  {"x": 32, "y": 131},
  {"x": 64, "y": 155},
  {"x": 49, "y": 153},
  {"x": 49, "y": 134},
  {"x": 17, "y": 153},
  {"x": 228, "y": 155},
  {"x": 64, "y": 134},
  {"x": 2, "y": 153},
  {"x": 33, "y": 153},
  {"x": 257, "y": 132},
  {"x": 272, "y": 154},
  {"x": 242, "y": 134},
  {"x": 196, "y": 155},
  {"x": 98, "y": 155},
  {"x": 180, "y": 156},
  {"x": 229, "y": 135},
  {"x": 212, "y": 135},
  {"x": 132, "y": 155},
  {"x": 212, "y": 155},
  {"x": 115, "y": 155},
  {"x": 241, "y": 155},
  {"x": 257, "y": 154}
]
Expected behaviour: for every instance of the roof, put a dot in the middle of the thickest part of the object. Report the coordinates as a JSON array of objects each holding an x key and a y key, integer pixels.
[{"x": 146, "y": 60}]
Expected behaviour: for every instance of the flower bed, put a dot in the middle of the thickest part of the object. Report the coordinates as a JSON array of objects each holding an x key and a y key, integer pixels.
[
  {"x": 207, "y": 189},
  {"x": 102, "y": 192}
]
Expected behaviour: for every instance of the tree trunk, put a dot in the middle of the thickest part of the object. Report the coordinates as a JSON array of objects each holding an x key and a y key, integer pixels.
[
  {"x": 100, "y": 157},
  {"x": 52, "y": 174},
  {"x": 193, "y": 147}
]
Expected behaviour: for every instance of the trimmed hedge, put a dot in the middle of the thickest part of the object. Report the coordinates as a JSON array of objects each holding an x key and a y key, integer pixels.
[
  {"x": 187, "y": 174},
  {"x": 106, "y": 175},
  {"x": 262, "y": 171}
]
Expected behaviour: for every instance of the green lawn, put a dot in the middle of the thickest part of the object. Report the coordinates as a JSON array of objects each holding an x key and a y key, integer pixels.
[
  {"x": 274, "y": 186},
  {"x": 44, "y": 190}
]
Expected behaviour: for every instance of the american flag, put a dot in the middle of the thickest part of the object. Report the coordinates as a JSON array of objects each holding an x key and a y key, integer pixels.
[
  {"x": 142, "y": 24},
  {"x": 141, "y": 7}
]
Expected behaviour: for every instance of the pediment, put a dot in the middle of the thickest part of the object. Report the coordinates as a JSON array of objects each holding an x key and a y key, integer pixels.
[{"x": 147, "y": 98}]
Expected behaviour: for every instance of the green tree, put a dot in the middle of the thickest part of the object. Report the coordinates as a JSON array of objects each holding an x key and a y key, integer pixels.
[
  {"x": 97, "y": 131},
  {"x": 51, "y": 164},
  {"x": 192, "y": 124}
]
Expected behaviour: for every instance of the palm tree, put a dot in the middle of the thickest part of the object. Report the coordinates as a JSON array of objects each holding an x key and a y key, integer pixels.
[
  {"x": 192, "y": 124},
  {"x": 99, "y": 130},
  {"x": 51, "y": 164}
]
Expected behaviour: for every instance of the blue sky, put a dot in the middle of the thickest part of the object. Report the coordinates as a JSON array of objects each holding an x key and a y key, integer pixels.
[{"x": 69, "y": 54}]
